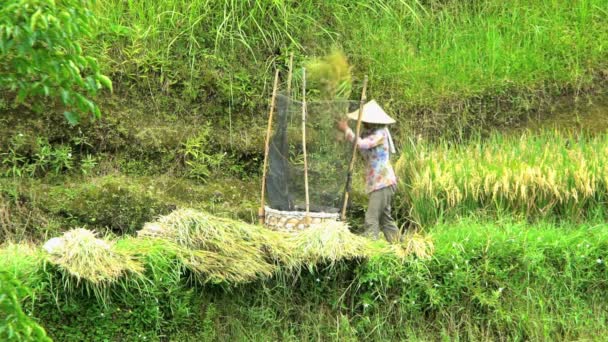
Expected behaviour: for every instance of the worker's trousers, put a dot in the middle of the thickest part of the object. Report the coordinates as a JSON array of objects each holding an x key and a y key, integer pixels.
[{"x": 378, "y": 215}]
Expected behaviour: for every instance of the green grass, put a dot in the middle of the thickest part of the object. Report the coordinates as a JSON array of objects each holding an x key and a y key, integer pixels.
[
  {"x": 505, "y": 280},
  {"x": 446, "y": 56},
  {"x": 436, "y": 65}
]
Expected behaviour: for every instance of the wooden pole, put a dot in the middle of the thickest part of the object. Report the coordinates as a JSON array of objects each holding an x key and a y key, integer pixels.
[
  {"x": 267, "y": 147},
  {"x": 354, "y": 154},
  {"x": 304, "y": 140},
  {"x": 289, "y": 75}
]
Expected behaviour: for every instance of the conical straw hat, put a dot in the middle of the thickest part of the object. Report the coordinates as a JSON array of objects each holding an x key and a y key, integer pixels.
[{"x": 372, "y": 113}]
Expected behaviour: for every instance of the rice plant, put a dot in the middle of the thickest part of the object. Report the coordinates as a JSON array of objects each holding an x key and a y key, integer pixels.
[
  {"x": 486, "y": 280},
  {"x": 222, "y": 249},
  {"x": 528, "y": 176}
]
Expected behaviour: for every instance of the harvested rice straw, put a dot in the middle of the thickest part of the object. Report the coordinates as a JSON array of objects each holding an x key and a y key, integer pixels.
[
  {"x": 328, "y": 242},
  {"x": 82, "y": 255},
  {"x": 216, "y": 268},
  {"x": 217, "y": 249},
  {"x": 239, "y": 251}
]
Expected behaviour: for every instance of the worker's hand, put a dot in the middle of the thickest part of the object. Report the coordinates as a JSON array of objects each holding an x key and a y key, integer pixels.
[{"x": 343, "y": 125}]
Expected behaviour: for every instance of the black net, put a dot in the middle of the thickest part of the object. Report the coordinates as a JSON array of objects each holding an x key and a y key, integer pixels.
[{"x": 328, "y": 155}]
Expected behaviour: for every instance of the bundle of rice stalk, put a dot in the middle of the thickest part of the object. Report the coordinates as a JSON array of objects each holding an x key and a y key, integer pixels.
[
  {"x": 217, "y": 268},
  {"x": 82, "y": 255},
  {"x": 414, "y": 244},
  {"x": 332, "y": 73},
  {"x": 279, "y": 249},
  {"x": 328, "y": 242},
  {"x": 240, "y": 251},
  {"x": 205, "y": 231}
]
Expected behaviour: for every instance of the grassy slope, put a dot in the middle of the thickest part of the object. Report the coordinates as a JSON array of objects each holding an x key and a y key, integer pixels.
[
  {"x": 442, "y": 56},
  {"x": 486, "y": 281},
  {"x": 180, "y": 64}
]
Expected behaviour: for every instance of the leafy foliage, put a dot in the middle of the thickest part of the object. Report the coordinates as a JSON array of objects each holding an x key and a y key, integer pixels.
[
  {"x": 39, "y": 158},
  {"x": 15, "y": 324},
  {"x": 198, "y": 159},
  {"x": 41, "y": 53}
]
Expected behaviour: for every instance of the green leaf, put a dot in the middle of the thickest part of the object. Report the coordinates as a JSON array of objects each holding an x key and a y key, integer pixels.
[
  {"x": 34, "y": 19},
  {"x": 65, "y": 96},
  {"x": 22, "y": 94},
  {"x": 72, "y": 118},
  {"x": 96, "y": 111},
  {"x": 106, "y": 81},
  {"x": 92, "y": 62},
  {"x": 42, "y": 55}
]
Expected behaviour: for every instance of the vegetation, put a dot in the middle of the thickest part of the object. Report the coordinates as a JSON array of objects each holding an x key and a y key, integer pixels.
[
  {"x": 16, "y": 325},
  {"x": 511, "y": 249},
  {"x": 41, "y": 53},
  {"x": 545, "y": 175},
  {"x": 489, "y": 281},
  {"x": 466, "y": 63}
]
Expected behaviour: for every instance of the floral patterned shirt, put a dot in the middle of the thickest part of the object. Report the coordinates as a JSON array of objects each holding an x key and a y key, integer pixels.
[{"x": 375, "y": 151}]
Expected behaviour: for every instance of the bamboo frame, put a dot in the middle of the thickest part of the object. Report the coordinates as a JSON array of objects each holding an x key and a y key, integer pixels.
[
  {"x": 267, "y": 147},
  {"x": 289, "y": 75},
  {"x": 351, "y": 166},
  {"x": 304, "y": 140}
]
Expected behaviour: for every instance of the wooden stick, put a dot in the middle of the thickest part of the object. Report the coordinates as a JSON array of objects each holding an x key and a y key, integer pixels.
[
  {"x": 289, "y": 75},
  {"x": 354, "y": 154},
  {"x": 304, "y": 139},
  {"x": 267, "y": 147}
]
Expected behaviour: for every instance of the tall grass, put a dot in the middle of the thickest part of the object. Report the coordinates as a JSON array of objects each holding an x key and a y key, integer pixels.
[
  {"x": 549, "y": 175},
  {"x": 419, "y": 54}
]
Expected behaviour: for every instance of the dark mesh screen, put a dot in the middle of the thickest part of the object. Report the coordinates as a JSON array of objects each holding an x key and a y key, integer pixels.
[{"x": 327, "y": 152}]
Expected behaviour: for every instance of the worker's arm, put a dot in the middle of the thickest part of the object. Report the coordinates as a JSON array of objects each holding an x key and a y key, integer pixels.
[{"x": 366, "y": 143}]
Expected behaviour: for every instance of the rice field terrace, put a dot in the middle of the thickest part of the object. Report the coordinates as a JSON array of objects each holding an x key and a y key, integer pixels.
[
  {"x": 132, "y": 153},
  {"x": 541, "y": 175}
]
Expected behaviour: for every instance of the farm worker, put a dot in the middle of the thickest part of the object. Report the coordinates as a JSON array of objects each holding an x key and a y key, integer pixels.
[{"x": 376, "y": 145}]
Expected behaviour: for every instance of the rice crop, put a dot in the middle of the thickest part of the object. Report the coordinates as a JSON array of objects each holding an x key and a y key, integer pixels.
[
  {"x": 224, "y": 250},
  {"x": 502, "y": 280},
  {"x": 414, "y": 244},
  {"x": 331, "y": 74},
  {"x": 549, "y": 175}
]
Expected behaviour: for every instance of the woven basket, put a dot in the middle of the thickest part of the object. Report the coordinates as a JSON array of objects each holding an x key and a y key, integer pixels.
[{"x": 295, "y": 220}]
